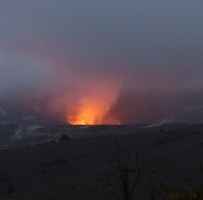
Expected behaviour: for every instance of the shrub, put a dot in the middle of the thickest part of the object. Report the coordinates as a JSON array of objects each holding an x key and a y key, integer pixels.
[{"x": 64, "y": 137}]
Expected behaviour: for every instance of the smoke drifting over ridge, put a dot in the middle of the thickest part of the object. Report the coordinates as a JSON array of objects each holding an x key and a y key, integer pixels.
[
  {"x": 107, "y": 62},
  {"x": 49, "y": 90}
]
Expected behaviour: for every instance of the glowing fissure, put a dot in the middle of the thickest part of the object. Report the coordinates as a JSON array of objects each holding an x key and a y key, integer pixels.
[
  {"x": 89, "y": 112},
  {"x": 94, "y": 107}
]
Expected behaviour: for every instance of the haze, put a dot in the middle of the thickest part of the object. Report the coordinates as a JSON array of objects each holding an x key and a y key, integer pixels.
[{"x": 101, "y": 62}]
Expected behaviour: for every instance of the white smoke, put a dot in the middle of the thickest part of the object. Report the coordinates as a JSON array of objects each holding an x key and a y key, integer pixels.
[
  {"x": 157, "y": 124},
  {"x": 3, "y": 112}
]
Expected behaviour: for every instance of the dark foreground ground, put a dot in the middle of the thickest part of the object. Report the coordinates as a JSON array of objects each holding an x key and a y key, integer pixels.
[{"x": 77, "y": 169}]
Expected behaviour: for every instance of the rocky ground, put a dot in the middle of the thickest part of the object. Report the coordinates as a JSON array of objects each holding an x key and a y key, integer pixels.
[{"x": 87, "y": 168}]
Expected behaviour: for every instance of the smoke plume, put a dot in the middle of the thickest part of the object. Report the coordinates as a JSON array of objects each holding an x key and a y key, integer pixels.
[{"x": 101, "y": 62}]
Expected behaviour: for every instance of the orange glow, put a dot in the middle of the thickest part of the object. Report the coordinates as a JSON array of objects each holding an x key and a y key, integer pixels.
[{"x": 93, "y": 107}]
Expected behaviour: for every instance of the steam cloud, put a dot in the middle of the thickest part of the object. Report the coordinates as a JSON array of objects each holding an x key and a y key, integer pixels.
[
  {"x": 61, "y": 61},
  {"x": 47, "y": 89}
]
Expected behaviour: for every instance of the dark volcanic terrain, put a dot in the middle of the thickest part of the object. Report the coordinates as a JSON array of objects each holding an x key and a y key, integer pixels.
[{"x": 76, "y": 169}]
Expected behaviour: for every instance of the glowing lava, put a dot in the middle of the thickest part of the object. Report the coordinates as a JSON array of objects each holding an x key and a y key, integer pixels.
[
  {"x": 88, "y": 114},
  {"x": 93, "y": 107}
]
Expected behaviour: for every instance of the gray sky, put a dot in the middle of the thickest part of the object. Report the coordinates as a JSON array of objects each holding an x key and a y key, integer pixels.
[{"x": 143, "y": 59}]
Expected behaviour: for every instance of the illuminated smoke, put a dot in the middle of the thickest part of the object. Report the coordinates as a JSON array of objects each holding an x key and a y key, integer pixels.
[{"x": 94, "y": 104}]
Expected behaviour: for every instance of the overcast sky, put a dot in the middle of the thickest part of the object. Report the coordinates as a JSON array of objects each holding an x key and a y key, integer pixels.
[{"x": 143, "y": 59}]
